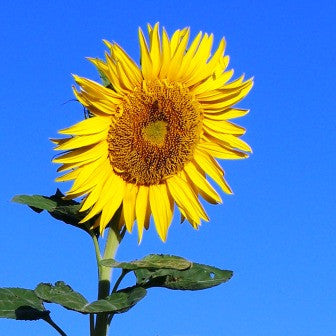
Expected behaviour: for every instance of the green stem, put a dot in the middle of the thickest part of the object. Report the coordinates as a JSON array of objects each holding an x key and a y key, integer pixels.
[
  {"x": 122, "y": 275},
  {"x": 97, "y": 250},
  {"x": 105, "y": 273},
  {"x": 92, "y": 331},
  {"x": 54, "y": 325}
]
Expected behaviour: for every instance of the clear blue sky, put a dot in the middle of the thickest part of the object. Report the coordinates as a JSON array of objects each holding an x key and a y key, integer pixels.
[{"x": 277, "y": 232}]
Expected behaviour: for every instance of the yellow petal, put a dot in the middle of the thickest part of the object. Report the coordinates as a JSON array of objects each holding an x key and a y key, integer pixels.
[
  {"x": 211, "y": 168},
  {"x": 188, "y": 57},
  {"x": 223, "y": 126},
  {"x": 221, "y": 152},
  {"x": 229, "y": 101},
  {"x": 103, "y": 105},
  {"x": 113, "y": 74},
  {"x": 82, "y": 141},
  {"x": 85, "y": 154},
  {"x": 97, "y": 107},
  {"x": 98, "y": 90},
  {"x": 197, "y": 66},
  {"x": 166, "y": 56},
  {"x": 149, "y": 28},
  {"x": 230, "y": 113},
  {"x": 124, "y": 78},
  {"x": 208, "y": 70},
  {"x": 99, "y": 64},
  {"x": 129, "y": 205},
  {"x": 68, "y": 166},
  {"x": 89, "y": 175},
  {"x": 129, "y": 64},
  {"x": 88, "y": 126},
  {"x": 177, "y": 58},
  {"x": 93, "y": 196},
  {"x": 199, "y": 180},
  {"x": 237, "y": 83},
  {"x": 223, "y": 93},
  {"x": 186, "y": 199},
  {"x": 103, "y": 68},
  {"x": 68, "y": 176},
  {"x": 195, "y": 190},
  {"x": 175, "y": 39},
  {"x": 229, "y": 140},
  {"x": 212, "y": 84},
  {"x": 111, "y": 207},
  {"x": 217, "y": 57},
  {"x": 145, "y": 59},
  {"x": 155, "y": 50},
  {"x": 58, "y": 141},
  {"x": 161, "y": 207},
  {"x": 110, "y": 192},
  {"x": 142, "y": 210}
]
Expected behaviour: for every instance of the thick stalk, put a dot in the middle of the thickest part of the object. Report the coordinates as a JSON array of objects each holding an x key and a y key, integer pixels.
[{"x": 104, "y": 274}]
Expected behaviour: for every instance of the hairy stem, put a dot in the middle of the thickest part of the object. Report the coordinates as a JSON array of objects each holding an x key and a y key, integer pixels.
[{"x": 104, "y": 275}]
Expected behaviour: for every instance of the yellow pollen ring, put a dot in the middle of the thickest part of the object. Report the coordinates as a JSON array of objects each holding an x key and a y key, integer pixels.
[{"x": 155, "y": 132}]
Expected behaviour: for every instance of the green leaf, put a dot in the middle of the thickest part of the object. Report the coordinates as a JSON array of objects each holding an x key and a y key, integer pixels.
[
  {"x": 37, "y": 202},
  {"x": 64, "y": 295},
  {"x": 59, "y": 208},
  {"x": 66, "y": 210},
  {"x": 156, "y": 261},
  {"x": 118, "y": 302},
  {"x": 158, "y": 270},
  {"x": 196, "y": 277},
  {"x": 21, "y": 304},
  {"x": 61, "y": 294}
]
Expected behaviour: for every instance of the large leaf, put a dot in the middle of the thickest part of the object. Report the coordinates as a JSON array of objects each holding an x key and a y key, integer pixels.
[
  {"x": 21, "y": 304},
  {"x": 156, "y": 261},
  {"x": 118, "y": 302},
  {"x": 172, "y": 272},
  {"x": 61, "y": 209},
  {"x": 196, "y": 277},
  {"x": 64, "y": 295},
  {"x": 37, "y": 202}
]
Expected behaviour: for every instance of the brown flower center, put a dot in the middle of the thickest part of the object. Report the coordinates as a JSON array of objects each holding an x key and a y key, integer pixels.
[{"x": 156, "y": 133}]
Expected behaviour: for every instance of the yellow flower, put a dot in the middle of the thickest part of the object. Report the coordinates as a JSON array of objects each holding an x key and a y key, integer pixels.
[{"x": 155, "y": 132}]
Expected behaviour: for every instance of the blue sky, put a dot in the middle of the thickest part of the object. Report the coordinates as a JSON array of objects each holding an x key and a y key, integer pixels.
[{"x": 277, "y": 233}]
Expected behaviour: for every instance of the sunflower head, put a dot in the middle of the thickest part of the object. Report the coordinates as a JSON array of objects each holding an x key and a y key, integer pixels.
[{"x": 155, "y": 132}]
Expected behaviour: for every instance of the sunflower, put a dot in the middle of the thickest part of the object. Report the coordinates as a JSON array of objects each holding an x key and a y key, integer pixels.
[{"x": 155, "y": 132}]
